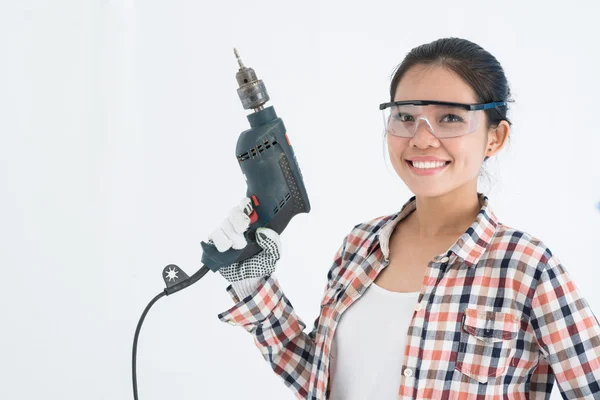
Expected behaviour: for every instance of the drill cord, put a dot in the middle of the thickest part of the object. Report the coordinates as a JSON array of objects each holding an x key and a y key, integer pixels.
[
  {"x": 168, "y": 291},
  {"x": 135, "y": 340}
]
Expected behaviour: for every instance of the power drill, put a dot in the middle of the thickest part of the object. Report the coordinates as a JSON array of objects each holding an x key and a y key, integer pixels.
[
  {"x": 275, "y": 185},
  {"x": 270, "y": 168},
  {"x": 274, "y": 179}
]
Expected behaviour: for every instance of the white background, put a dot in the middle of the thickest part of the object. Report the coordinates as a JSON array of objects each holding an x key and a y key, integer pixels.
[{"x": 118, "y": 124}]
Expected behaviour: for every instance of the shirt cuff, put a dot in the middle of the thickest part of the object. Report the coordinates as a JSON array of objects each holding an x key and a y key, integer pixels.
[{"x": 255, "y": 307}]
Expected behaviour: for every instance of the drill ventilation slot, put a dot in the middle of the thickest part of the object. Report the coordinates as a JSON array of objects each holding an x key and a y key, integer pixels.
[
  {"x": 281, "y": 203},
  {"x": 255, "y": 150}
]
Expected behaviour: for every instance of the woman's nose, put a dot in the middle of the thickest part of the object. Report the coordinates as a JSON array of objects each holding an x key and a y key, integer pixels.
[{"x": 423, "y": 133}]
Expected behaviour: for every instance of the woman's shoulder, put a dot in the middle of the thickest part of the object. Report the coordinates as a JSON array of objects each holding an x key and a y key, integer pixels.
[{"x": 517, "y": 243}]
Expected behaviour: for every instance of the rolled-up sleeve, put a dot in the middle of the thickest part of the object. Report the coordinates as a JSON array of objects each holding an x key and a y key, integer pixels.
[{"x": 278, "y": 331}]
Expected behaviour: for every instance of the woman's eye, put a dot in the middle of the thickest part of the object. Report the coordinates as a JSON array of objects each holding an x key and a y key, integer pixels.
[
  {"x": 452, "y": 118},
  {"x": 403, "y": 117}
]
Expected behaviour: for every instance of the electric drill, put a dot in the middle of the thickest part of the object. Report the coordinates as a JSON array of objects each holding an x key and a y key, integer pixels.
[
  {"x": 274, "y": 179},
  {"x": 269, "y": 165},
  {"x": 275, "y": 186}
]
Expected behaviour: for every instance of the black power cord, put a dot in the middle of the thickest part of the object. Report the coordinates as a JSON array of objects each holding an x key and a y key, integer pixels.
[
  {"x": 135, "y": 340},
  {"x": 180, "y": 283}
]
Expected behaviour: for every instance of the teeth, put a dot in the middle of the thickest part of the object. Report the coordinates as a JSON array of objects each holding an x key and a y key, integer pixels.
[{"x": 428, "y": 164}]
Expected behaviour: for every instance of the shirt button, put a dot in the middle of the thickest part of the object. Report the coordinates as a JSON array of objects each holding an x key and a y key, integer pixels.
[
  {"x": 418, "y": 307},
  {"x": 445, "y": 259},
  {"x": 408, "y": 372}
]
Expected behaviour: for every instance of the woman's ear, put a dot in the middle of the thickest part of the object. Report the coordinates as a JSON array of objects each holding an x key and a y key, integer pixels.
[{"x": 497, "y": 138}]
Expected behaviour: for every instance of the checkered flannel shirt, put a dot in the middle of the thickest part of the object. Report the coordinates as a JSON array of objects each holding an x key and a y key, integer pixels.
[{"x": 498, "y": 317}]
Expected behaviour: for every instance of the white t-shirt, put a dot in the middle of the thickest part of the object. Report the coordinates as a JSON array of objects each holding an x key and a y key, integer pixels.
[{"x": 368, "y": 345}]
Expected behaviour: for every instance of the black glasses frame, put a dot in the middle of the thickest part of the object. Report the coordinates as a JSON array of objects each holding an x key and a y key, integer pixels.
[{"x": 469, "y": 107}]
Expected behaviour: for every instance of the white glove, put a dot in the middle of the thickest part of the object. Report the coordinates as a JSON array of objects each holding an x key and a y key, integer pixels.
[{"x": 244, "y": 276}]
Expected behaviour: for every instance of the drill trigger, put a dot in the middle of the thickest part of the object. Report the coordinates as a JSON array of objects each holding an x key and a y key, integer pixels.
[{"x": 253, "y": 217}]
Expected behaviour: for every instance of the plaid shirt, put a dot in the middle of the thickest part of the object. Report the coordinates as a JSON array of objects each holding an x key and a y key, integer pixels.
[{"x": 498, "y": 317}]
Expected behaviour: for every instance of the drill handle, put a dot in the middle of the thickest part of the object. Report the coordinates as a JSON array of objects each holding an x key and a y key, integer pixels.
[{"x": 215, "y": 260}]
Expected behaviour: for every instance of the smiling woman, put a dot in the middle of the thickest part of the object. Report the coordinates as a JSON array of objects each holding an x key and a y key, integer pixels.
[
  {"x": 439, "y": 299},
  {"x": 435, "y": 112}
]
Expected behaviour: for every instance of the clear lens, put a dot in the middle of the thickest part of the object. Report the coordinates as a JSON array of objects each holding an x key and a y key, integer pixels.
[{"x": 442, "y": 121}]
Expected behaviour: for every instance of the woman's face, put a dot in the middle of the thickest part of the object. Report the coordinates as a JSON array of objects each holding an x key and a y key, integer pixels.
[{"x": 465, "y": 153}]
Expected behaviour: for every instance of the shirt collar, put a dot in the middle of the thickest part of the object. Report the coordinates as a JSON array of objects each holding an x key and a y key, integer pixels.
[{"x": 469, "y": 247}]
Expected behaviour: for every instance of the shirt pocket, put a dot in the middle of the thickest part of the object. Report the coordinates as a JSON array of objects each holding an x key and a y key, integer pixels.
[{"x": 486, "y": 343}]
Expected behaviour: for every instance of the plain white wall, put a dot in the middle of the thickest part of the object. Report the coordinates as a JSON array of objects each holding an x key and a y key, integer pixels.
[{"x": 118, "y": 128}]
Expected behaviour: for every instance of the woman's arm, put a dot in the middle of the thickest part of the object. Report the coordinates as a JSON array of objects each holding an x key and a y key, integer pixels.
[
  {"x": 568, "y": 333},
  {"x": 278, "y": 332}
]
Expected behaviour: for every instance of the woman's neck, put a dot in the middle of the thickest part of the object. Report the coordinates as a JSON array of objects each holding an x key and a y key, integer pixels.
[{"x": 447, "y": 215}]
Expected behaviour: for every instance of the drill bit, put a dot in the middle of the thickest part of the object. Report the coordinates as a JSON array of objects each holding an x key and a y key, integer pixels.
[
  {"x": 251, "y": 90},
  {"x": 239, "y": 60}
]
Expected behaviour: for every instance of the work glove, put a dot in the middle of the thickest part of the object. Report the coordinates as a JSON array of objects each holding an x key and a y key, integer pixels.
[{"x": 244, "y": 276}]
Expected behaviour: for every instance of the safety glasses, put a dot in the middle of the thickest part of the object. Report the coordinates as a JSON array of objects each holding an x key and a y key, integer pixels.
[{"x": 444, "y": 119}]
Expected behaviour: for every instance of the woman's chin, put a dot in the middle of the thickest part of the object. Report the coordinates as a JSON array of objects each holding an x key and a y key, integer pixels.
[{"x": 428, "y": 190}]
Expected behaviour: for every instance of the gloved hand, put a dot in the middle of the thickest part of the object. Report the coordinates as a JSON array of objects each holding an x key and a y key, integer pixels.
[{"x": 244, "y": 276}]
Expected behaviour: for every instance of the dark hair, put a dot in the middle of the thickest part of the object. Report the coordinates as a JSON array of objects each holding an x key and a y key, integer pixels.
[{"x": 477, "y": 67}]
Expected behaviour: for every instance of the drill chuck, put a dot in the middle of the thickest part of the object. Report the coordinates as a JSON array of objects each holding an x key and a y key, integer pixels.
[{"x": 252, "y": 91}]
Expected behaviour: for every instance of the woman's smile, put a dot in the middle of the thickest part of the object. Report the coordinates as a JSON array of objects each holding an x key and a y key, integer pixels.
[{"x": 426, "y": 168}]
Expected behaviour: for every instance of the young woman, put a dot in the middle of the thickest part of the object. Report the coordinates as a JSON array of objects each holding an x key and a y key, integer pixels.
[{"x": 439, "y": 300}]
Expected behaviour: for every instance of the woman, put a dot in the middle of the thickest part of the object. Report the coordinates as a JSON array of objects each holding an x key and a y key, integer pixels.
[{"x": 439, "y": 300}]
